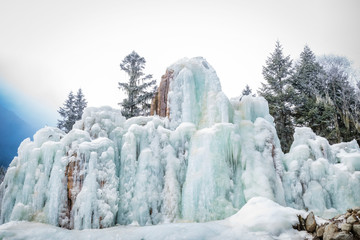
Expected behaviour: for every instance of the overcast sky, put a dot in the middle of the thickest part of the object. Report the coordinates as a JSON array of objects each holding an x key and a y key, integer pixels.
[{"x": 48, "y": 48}]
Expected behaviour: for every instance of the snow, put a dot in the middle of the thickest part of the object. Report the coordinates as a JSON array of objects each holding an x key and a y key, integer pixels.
[
  {"x": 203, "y": 163},
  {"x": 260, "y": 218}
]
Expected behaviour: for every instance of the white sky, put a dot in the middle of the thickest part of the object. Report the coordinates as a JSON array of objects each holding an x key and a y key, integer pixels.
[{"x": 48, "y": 48}]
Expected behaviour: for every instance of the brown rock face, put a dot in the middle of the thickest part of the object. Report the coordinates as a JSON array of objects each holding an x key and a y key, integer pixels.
[
  {"x": 75, "y": 178},
  {"x": 159, "y": 103}
]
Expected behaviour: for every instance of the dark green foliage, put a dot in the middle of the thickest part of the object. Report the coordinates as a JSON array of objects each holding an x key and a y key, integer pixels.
[
  {"x": 276, "y": 91},
  {"x": 316, "y": 94},
  {"x": 137, "y": 88},
  {"x": 2, "y": 173},
  {"x": 324, "y": 98},
  {"x": 247, "y": 91},
  {"x": 71, "y": 111},
  {"x": 80, "y": 104},
  {"x": 305, "y": 82},
  {"x": 341, "y": 96}
]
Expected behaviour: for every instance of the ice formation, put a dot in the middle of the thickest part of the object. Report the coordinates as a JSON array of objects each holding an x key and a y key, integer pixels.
[
  {"x": 203, "y": 162},
  {"x": 321, "y": 177}
]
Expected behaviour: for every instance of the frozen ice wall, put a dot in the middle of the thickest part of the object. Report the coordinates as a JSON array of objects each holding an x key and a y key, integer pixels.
[
  {"x": 66, "y": 180},
  {"x": 195, "y": 95},
  {"x": 320, "y": 177},
  {"x": 202, "y": 163}
]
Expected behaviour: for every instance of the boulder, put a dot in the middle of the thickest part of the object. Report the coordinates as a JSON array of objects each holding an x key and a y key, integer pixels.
[
  {"x": 342, "y": 236},
  {"x": 320, "y": 231},
  {"x": 310, "y": 223},
  {"x": 352, "y": 219},
  {"x": 356, "y": 229},
  {"x": 330, "y": 231},
  {"x": 346, "y": 227}
]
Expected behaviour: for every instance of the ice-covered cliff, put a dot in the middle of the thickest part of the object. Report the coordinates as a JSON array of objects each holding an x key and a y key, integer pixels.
[{"x": 202, "y": 159}]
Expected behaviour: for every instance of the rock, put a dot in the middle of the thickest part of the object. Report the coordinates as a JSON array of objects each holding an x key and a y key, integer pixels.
[
  {"x": 348, "y": 214},
  {"x": 356, "y": 209},
  {"x": 356, "y": 229},
  {"x": 346, "y": 227},
  {"x": 349, "y": 210},
  {"x": 301, "y": 225},
  {"x": 342, "y": 236},
  {"x": 337, "y": 216},
  {"x": 320, "y": 231},
  {"x": 159, "y": 102},
  {"x": 330, "y": 231},
  {"x": 352, "y": 219},
  {"x": 310, "y": 223}
]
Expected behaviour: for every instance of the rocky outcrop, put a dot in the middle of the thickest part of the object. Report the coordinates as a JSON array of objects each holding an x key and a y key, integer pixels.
[
  {"x": 159, "y": 103},
  {"x": 341, "y": 227}
]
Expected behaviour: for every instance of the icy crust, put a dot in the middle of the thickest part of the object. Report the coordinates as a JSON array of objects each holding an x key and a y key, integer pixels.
[
  {"x": 260, "y": 218},
  {"x": 321, "y": 177}
]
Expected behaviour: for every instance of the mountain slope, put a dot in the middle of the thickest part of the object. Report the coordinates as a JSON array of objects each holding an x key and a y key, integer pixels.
[{"x": 13, "y": 131}]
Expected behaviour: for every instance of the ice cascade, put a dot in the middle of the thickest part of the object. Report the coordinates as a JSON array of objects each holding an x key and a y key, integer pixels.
[{"x": 203, "y": 162}]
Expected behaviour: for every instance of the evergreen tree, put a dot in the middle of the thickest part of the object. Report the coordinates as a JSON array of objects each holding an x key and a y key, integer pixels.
[
  {"x": 71, "y": 111},
  {"x": 2, "y": 173},
  {"x": 277, "y": 72},
  {"x": 80, "y": 104},
  {"x": 247, "y": 91},
  {"x": 306, "y": 82},
  {"x": 137, "y": 88},
  {"x": 339, "y": 94}
]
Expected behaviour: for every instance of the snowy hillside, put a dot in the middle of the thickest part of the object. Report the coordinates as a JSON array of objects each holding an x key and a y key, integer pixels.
[{"x": 203, "y": 162}]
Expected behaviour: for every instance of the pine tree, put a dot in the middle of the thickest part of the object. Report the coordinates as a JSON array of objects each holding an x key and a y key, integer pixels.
[
  {"x": 277, "y": 72},
  {"x": 137, "y": 88},
  {"x": 340, "y": 95},
  {"x": 307, "y": 83},
  {"x": 247, "y": 91},
  {"x": 80, "y": 104},
  {"x": 71, "y": 111},
  {"x": 2, "y": 173}
]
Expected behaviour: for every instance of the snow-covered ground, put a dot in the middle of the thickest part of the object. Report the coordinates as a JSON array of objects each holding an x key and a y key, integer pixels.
[{"x": 260, "y": 218}]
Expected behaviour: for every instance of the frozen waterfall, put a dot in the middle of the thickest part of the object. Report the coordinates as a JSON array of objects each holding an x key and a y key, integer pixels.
[{"x": 202, "y": 163}]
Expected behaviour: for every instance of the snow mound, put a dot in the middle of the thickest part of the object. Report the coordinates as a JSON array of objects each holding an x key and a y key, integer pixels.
[{"x": 260, "y": 218}]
